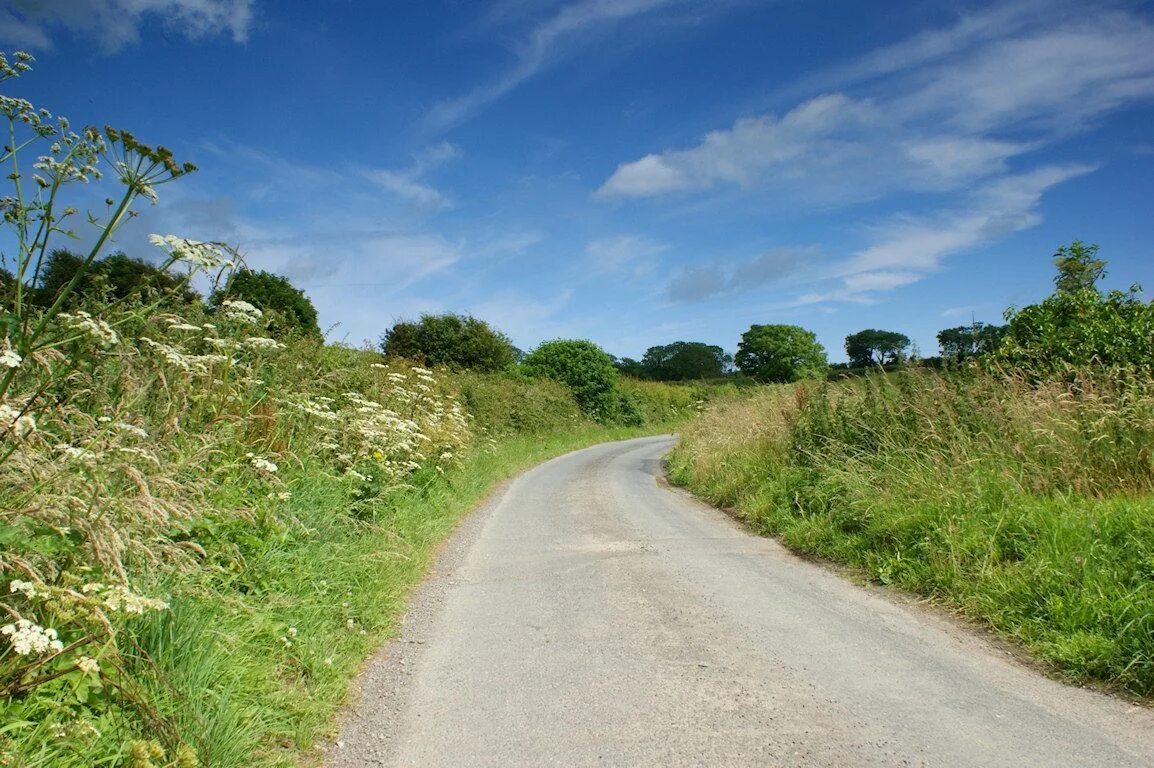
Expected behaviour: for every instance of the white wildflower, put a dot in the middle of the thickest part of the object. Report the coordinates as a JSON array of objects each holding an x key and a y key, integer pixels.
[
  {"x": 82, "y": 455},
  {"x": 260, "y": 342},
  {"x": 88, "y": 665},
  {"x": 292, "y": 632},
  {"x": 93, "y": 326},
  {"x": 27, "y": 588},
  {"x": 236, "y": 309},
  {"x": 9, "y": 359},
  {"x": 118, "y": 598},
  {"x": 263, "y": 465},
  {"x": 31, "y": 639},
  {"x": 15, "y": 420},
  {"x": 131, "y": 429},
  {"x": 194, "y": 252}
]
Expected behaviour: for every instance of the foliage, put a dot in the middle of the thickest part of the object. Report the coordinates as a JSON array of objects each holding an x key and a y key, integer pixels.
[
  {"x": 780, "y": 353},
  {"x": 1030, "y": 507},
  {"x": 583, "y": 367},
  {"x": 627, "y": 366},
  {"x": 116, "y": 277},
  {"x": 874, "y": 347},
  {"x": 1078, "y": 267},
  {"x": 966, "y": 342},
  {"x": 460, "y": 342},
  {"x": 1078, "y": 325},
  {"x": 504, "y": 404},
  {"x": 286, "y": 309},
  {"x": 684, "y": 360}
]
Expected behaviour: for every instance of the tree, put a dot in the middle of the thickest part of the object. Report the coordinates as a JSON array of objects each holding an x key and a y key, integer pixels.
[
  {"x": 1078, "y": 325},
  {"x": 287, "y": 309},
  {"x": 116, "y": 277},
  {"x": 780, "y": 353},
  {"x": 458, "y": 341},
  {"x": 683, "y": 360},
  {"x": 627, "y": 366},
  {"x": 874, "y": 347},
  {"x": 969, "y": 341},
  {"x": 583, "y": 367},
  {"x": 1078, "y": 269}
]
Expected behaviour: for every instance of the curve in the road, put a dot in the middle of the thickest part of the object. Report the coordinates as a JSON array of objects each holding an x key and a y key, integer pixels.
[{"x": 589, "y": 615}]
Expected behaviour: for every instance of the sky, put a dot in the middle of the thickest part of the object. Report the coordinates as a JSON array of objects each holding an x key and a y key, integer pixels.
[{"x": 634, "y": 172}]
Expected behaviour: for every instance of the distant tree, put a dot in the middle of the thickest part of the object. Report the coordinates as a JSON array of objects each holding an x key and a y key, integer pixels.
[
  {"x": 116, "y": 277},
  {"x": 1079, "y": 325},
  {"x": 627, "y": 366},
  {"x": 969, "y": 341},
  {"x": 780, "y": 353},
  {"x": 684, "y": 360},
  {"x": 874, "y": 347},
  {"x": 1078, "y": 267},
  {"x": 460, "y": 342},
  {"x": 582, "y": 366},
  {"x": 287, "y": 309}
]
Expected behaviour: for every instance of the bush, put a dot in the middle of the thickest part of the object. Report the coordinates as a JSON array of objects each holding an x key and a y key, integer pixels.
[
  {"x": 117, "y": 277},
  {"x": 287, "y": 310},
  {"x": 583, "y": 367},
  {"x": 460, "y": 342},
  {"x": 503, "y": 404}
]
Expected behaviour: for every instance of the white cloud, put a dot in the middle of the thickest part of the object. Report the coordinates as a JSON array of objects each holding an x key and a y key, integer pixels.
[
  {"x": 623, "y": 254},
  {"x": 116, "y": 23},
  {"x": 952, "y": 108},
  {"x": 407, "y": 183},
  {"x": 700, "y": 282},
  {"x": 545, "y": 43}
]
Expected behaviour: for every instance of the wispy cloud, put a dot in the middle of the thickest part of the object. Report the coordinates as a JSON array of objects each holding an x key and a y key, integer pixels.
[
  {"x": 952, "y": 107},
  {"x": 116, "y": 23},
  {"x": 623, "y": 255},
  {"x": 408, "y": 184},
  {"x": 545, "y": 43},
  {"x": 700, "y": 282}
]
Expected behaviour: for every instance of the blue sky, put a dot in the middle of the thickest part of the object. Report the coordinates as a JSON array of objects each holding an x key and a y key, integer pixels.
[{"x": 635, "y": 172}]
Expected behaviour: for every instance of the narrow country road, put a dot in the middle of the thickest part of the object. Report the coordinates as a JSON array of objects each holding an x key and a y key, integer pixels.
[{"x": 589, "y": 615}]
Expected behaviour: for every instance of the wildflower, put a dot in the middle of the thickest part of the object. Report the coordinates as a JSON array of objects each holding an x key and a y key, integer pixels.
[
  {"x": 16, "y": 421},
  {"x": 31, "y": 639},
  {"x": 93, "y": 326},
  {"x": 118, "y": 598},
  {"x": 263, "y": 465},
  {"x": 82, "y": 455},
  {"x": 198, "y": 254},
  {"x": 9, "y": 359},
  {"x": 131, "y": 429},
  {"x": 88, "y": 665},
  {"x": 27, "y": 588},
  {"x": 292, "y": 632},
  {"x": 235, "y": 309},
  {"x": 260, "y": 342},
  {"x": 350, "y": 624}
]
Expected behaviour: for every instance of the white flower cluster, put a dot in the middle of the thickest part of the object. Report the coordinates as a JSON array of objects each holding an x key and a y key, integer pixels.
[
  {"x": 235, "y": 309},
  {"x": 190, "y": 363},
  {"x": 120, "y": 598},
  {"x": 9, "y": 358},
  {"x": 31, "y": 639},
  {"x": 92, "y": 326},
  {"x": 260, "y": 342},
  {"x": 16, "y": 421},
  {"x": 261, "y": 464},
  {"x": 198, "y": 254}
]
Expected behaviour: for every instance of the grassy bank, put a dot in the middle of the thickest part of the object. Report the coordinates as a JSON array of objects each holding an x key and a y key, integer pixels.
[
  {"x": 1029, "y": 507},
  {"x": 205, "y": 530}
]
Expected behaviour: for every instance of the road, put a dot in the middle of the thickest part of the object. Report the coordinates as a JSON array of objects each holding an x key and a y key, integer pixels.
[{"x": 588, "y": 615}]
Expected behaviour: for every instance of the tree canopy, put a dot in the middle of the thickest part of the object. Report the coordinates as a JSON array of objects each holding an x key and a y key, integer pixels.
[
  {"x": 874, "y": 347},
  {"x": 780, "y": 353},
  {"x": 683, "y": 360},
  {"x": 460, "y": 342},
  {"x": 969, "y": 341},
  {"x": 286, "y": 307},
  {"x": 116, "y": 277},
  {"x": 582, "y": 366},
  {"x": 1079, "y": 325}
]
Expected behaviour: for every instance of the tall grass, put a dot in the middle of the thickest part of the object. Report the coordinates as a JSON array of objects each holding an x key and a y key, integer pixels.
[{"x": 1028, "y": 506}]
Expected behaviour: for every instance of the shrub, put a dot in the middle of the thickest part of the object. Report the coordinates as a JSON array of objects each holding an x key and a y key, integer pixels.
[
  {"x": 583, "y": 367},
  {"x": 460, "y": 342}
]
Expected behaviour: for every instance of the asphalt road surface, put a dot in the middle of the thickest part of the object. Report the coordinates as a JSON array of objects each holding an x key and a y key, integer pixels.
[{"x": 588, "y": 615}]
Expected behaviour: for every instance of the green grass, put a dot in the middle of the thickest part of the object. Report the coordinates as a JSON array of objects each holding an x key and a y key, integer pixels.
[{"x": 1028, "y": 507}]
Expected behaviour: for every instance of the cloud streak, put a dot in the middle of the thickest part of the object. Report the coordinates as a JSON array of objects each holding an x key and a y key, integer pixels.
[{"x": 116, "y": 23}]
